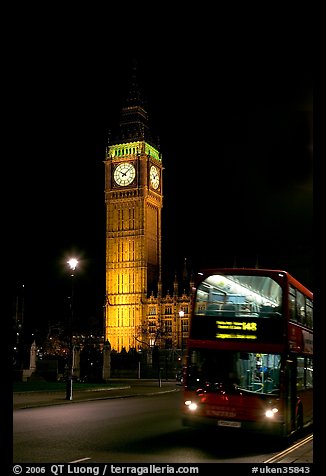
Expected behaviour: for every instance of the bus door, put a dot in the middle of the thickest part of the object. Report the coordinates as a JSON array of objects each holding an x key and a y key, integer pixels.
[{"x": 291, "y": 392}]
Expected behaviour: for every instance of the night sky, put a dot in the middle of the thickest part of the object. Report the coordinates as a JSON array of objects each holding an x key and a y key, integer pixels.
[{"x": 235, "y": 132}]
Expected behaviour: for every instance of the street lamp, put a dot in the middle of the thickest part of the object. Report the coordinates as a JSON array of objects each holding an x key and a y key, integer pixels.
[{"x": 72, "y": 263}]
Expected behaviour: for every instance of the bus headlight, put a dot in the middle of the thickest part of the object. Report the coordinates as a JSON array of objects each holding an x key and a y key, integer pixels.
[
  {"x": 271, "y": 412},
  {"x": 191, "y": 405}
]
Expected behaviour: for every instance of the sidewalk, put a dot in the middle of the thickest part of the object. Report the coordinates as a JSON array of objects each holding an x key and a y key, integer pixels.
[{"x": 121, "y": 389}]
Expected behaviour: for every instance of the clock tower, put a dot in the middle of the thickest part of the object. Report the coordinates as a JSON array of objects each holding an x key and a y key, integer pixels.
[{"x": 134, "y": 200}]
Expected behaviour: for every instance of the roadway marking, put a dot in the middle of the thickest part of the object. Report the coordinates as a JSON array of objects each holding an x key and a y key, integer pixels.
[
  {"x": 289, "y": 450},
  {"x": 79, "y": 460}
]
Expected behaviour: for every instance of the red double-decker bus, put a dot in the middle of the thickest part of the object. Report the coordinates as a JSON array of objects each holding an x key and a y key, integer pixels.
[{"x": 249, "y": 359}]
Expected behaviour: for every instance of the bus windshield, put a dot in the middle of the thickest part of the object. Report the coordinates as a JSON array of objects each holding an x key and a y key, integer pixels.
[
  {"x": 239, "y": 296},
  {"x": 233, "y": 371}
]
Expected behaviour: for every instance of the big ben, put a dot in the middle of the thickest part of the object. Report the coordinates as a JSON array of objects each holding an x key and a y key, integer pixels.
[{"x": 134, "y": 201}]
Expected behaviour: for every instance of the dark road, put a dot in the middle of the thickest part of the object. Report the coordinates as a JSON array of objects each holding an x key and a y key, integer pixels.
[{"x": 140, "y": 429}]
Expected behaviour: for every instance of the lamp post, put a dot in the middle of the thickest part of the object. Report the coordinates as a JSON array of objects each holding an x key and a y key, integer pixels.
[{"x": 72, "y": 263}]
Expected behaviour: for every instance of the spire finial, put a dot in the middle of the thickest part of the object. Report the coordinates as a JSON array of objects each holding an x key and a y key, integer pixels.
[{"x": 134, "y": 95}]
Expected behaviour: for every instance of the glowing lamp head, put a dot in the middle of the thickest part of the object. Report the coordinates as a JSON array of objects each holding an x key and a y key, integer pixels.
[{"x": 73, "y": 262}]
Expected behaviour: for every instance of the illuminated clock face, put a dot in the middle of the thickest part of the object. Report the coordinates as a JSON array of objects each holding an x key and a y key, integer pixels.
[
  {"x": 154, "y": 177},
  {"x": 124, "y": 174}
]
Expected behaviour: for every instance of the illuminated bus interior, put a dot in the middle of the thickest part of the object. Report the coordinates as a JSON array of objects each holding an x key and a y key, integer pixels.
[
  {"x": 239, "y": 296},
  {"x": 217, "y": 370}
]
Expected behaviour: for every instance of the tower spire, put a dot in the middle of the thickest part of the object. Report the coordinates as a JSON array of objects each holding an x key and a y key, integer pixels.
[
  {"x": 134, "y": 121},
  {"x": 134, "y": 97},
  {"x": 185, "y": 272}
]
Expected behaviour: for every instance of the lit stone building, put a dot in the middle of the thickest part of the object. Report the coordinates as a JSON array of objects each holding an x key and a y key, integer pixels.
[{"x": 137, "y": 315}]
